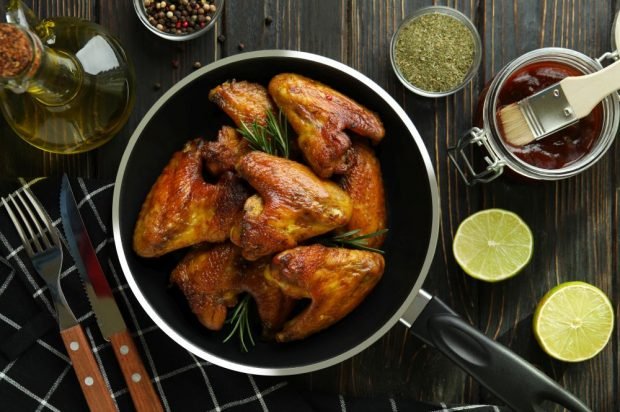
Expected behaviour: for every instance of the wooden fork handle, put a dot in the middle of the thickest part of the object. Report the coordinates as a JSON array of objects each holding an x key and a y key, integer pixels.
[
  {"x": 138, "y": 381},
  {"x": 91, "y": 380}
]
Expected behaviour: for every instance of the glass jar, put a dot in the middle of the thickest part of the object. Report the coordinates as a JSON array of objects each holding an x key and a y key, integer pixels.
[{"x": 488, "y": 137}]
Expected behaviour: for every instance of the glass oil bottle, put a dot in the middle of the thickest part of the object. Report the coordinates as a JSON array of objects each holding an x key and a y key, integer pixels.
[{"x": 71, "y": 87}]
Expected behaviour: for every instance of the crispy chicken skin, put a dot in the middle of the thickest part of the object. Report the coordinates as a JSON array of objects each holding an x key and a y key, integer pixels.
[
  {"x": 363, "y": 183},
  {"x": 212, "y": 276},
  {"x": 223, "y": 154},
  {"x": 319, "y": 115},
  {"x": 182, "y": 209},
  {"x": 292, "y": 205},
  {"x": 243, "y": 101},
  {"x": 207, "y": 277},
  {"x": 335, "y": 279}
]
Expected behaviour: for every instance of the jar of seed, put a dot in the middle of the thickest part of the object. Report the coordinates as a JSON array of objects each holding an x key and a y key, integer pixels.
[{"x": 436, "y": 51}]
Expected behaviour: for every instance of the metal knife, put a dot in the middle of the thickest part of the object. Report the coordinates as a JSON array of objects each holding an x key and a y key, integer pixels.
[
  {"x": 45, "y": 252},
  {"x": 100, "y": 295}
]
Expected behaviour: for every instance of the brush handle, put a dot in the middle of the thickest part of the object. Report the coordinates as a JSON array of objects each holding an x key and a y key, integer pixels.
[{"x": 585, "y": 92}]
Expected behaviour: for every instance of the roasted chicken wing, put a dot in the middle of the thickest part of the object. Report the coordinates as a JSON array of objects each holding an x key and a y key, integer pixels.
[
  {"x": 212, "y": 277},
  {"x": 223, "y": 154},
  {"x": 292, "y": 205},
  {"x": 243, "y": 101},
  {"x": 182, "y": 209},
  {"x": 363, "y": 183},
  {"x": 335, "y": 279},
  {"x": 319, "y": 115}
]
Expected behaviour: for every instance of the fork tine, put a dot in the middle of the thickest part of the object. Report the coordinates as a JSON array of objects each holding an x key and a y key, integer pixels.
[
  {"x": 33, "y": 235},
  {"x": 51, "y": 241},
  {"x": 18, "y": 226}
]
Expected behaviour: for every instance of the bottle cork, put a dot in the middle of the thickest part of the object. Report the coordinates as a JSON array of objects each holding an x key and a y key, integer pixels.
[{"x": 16, "y": 52}]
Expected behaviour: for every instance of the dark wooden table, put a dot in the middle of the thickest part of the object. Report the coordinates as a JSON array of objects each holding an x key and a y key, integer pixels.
[{"x": 575, "y": 221}]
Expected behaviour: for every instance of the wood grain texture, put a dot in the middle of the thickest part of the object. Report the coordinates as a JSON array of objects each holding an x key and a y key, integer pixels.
[
  {"x": 575, "y": 222},
  {"x": 138, "y": 381},
  {"x": 572, "y": 220},
  {"x": 89, "y": 376}
]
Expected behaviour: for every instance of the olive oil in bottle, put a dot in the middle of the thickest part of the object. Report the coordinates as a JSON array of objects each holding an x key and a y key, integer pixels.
[{"x": 67, "y": 85}]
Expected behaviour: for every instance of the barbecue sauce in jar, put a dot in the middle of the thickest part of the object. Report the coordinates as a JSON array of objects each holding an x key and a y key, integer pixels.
[
  {"x": 565, "y": 153},
  {"x": 563, "y": 147}
]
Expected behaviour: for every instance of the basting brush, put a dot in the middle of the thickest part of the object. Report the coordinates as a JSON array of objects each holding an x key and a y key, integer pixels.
[{"x": 557, "y": 106}]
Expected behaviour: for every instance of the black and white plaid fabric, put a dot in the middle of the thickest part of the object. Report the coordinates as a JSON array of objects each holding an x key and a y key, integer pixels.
[{"x": 36, "y": 373}]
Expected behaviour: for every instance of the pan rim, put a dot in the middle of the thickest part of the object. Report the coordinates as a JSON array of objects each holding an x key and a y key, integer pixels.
[{"x": 272, "y": 371}]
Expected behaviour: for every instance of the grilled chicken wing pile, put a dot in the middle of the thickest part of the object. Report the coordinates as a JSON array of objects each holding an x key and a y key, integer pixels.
[{"x": 254, "y": 229}]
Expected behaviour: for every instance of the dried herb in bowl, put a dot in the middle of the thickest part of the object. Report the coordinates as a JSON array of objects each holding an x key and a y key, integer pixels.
[{"x": 434, "y": 52}]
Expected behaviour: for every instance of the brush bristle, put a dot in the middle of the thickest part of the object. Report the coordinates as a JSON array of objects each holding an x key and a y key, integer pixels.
[{"x": 516, "y": 130}]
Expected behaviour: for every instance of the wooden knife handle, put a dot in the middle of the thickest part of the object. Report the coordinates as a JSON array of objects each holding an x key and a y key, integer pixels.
[
  {"x": 91, "y": 380},
  {"x": 138, "y": 380}
]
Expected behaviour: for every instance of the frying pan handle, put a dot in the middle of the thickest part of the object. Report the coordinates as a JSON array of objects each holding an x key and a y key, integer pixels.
[{"x": 509, "y": 377}]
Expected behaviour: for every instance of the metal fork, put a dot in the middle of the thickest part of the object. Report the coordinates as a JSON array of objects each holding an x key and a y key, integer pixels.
[{"x": 42, "y": 244}]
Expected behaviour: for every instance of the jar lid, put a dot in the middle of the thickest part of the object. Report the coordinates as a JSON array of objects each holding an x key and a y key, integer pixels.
[{"x": 615, "y": 34}]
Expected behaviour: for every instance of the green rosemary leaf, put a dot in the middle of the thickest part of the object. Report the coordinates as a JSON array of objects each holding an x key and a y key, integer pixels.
[
  {"x": 346, "y": 234},
  {"x": 367, "y": 248},
  {"x": 240, "y": 319},
  {"x": 371, "y": 235},
  {"x": 350, "y": 239},
  {"x": 255, "y": 135},
  {"x": 271, "y": 138},
  {"x": 277, "y": 128}
]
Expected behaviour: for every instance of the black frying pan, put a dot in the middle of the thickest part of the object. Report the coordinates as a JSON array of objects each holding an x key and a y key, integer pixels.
[{"x": 413, "y": 207}]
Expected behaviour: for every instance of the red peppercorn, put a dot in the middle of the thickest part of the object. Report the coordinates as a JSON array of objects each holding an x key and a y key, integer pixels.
[
  {"x": 178, "y": 25},
  {"x": 185, "y": 24}
]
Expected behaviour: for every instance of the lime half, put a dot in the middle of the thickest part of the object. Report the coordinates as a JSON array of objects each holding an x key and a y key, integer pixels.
[
  {"x": 573, "y": 321},
  {"x": 493, "y": 245}
]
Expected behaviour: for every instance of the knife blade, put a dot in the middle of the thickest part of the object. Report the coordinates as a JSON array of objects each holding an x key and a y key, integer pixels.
[
  {"x": 99, "y": 293},
  {"x": 46, "y": 257}
]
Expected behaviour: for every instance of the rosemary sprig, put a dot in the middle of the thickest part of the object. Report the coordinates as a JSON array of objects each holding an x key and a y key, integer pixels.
[
  {"x": 240, "y": 320},
  {"x": 270, "y": 138},
  {"x": 353, "y": 240}
]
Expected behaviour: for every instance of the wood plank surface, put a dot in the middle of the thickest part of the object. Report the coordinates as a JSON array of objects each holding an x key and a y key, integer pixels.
[{"x": 575, "y": 221}]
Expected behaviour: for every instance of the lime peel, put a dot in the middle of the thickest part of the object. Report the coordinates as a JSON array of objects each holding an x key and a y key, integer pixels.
[
  {"x": 574, "y": 321},
  {"x": 493, "y": 245}
]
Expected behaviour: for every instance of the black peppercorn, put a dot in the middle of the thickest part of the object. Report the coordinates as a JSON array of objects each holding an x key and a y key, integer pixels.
[
  {"x": 197, "y": 65},
  {"x": 221, "y": 38},
  {"x": 268, "y": 20},
  {"x": 241, "y": 46},
  {"x": 184, "y": 16}
]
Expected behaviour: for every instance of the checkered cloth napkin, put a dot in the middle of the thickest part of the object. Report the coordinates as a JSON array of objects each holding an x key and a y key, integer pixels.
[{"x": 36, "y": 373}]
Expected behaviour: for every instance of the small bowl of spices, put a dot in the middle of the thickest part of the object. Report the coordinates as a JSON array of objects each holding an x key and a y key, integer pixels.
[
  {"x": 178, "y": 19},
  {"x": 436, "y": 51}
]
